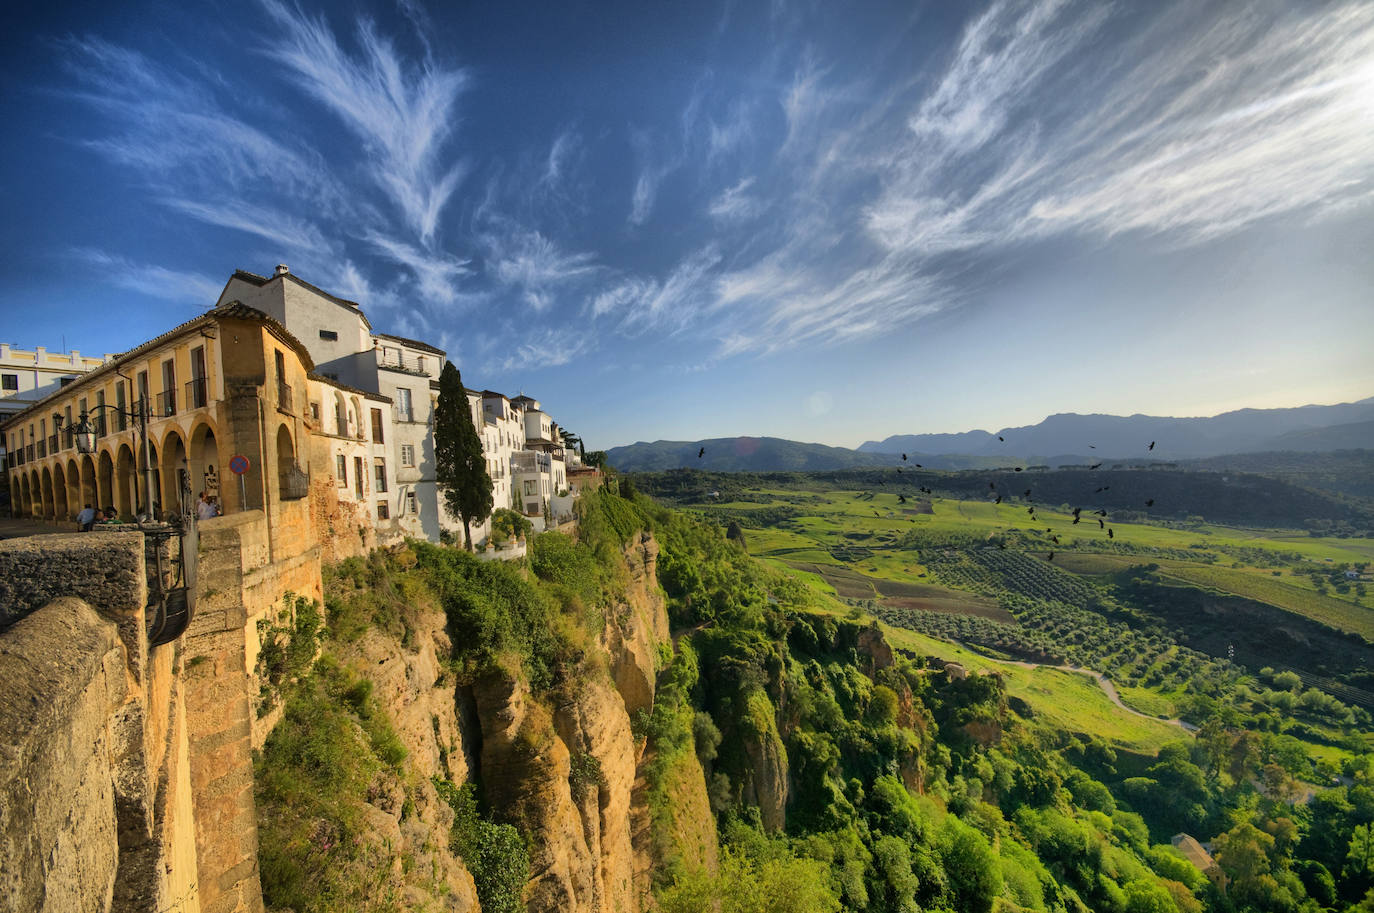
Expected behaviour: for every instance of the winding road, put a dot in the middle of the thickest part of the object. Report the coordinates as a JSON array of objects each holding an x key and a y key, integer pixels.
[{"x": 1107, "y": 688}]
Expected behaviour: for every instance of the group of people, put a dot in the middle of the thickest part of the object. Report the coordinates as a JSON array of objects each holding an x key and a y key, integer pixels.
[
  {"x": 208, "y": 507},
  {"x": 90, "y": 516}
]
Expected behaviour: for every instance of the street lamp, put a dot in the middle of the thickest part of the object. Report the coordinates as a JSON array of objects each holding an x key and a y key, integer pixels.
[{"x": 83, "y": 432}]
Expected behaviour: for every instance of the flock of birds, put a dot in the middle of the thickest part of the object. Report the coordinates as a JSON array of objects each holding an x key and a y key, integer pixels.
[{"x": 1100, "y": 515}]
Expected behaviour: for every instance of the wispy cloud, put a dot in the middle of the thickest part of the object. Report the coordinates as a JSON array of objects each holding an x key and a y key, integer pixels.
[
  {"x": 436, "y": 275},
  {"x": 544, "y": 347},
  {"x": 167, "y": 127},
  {"x": 638, "y": 304},
  {"x": 735, "y": 203},
  {"x": 155, "y": 281},
  {"x": 286, "y": 231},
  {"x": 529, "y": 261},
  {"x": 403, "y": 116}
]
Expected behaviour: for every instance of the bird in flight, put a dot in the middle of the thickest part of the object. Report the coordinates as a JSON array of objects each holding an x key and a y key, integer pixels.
[
  {"x": 1100, "y": 524},
  {"x": 992, "y": 485},
  {"x": 1051, "y": 557},
  {"x": 1092, "y": 446},
  {"x": 1150, "y": 503},
  {"x": 1103, "y": 488},
  {"x": 901, "y": 499},
  {"x": 904, "y": 457},
  {"x": 1055, "y": 539},
  {"x": 999, "y": 500},
  {"x": 1018, "y": 469},
  {"x": 701, "y": 453},
  {"x": 1002, "y": 439},
  {"x": 1152, "y": 446},
  {"x": 1095, "y": 466},
  {"x": 1110, "y": 534}
]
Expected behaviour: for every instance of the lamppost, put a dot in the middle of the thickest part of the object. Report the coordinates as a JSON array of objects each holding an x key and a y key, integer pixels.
[
  {"x": 84, "y": 434},
  {"x": 172, "y": 610}
]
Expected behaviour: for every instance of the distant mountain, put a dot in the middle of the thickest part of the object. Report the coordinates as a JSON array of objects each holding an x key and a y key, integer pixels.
[
  {"x": 1310, "y": 428},
  {"x": 739, "y": 454}
]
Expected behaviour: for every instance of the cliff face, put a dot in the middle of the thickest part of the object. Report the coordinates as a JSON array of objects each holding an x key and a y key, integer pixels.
[
  {"x": 562, "y": 768},
  {"x": 567, "y": 777}
]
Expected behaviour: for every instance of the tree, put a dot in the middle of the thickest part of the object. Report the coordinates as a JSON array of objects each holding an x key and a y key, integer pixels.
[{"x": 460, "y": 466}]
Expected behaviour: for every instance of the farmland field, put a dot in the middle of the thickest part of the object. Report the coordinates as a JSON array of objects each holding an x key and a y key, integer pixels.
[{"x": 1159, "y": 609}]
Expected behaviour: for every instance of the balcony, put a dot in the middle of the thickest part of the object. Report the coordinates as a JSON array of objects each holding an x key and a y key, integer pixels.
[
  {"x": 52, "y": 443},
  {"x": 42, "y": 449},
  {"x": 198, "y": 393},
  {"x": 283, "y": 396},
  {"x": 166, "y": 404},
  {"x": 401, "y": 365}
]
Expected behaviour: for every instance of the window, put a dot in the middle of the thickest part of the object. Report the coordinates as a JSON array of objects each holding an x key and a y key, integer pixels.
[
  {"x": 383, "y": 511},
  {"x": 329, "y": 335},
  {"x": 9, "y": 381},
  {"x": 380, "y": 470},
  {"x": 121, "y": 405},
  {"x": 63, "y": 381},
  {"x": 377, "y": 426},
  {"x": 411, "y": 506},
  {"x": 403, "y": 412},
  {"x": 531, "y": 487},
  {"x": 315, "y": 411},
  {"x": 341, "y": 469},
  {"x": 407, "y": 454}
]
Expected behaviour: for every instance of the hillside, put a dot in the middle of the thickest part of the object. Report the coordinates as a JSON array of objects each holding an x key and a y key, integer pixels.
[
  {"x": 1343, "y": 426},
  {"x": 527, "y": 737},
  {"x": 738, "y": 454},
  {"x": 1238, "y": 498}
]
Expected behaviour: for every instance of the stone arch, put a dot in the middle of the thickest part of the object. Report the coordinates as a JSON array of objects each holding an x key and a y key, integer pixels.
[
  {"x": 48, "y": 511},
  {"x": 126, "y": 481},
  {"x": 104, "y": 479},
  {"x": 25, "y": 497},
  {"x": 206, "y": 463},
  {"x": 175, "y": 473},
  {"x": 35, "y": 495},
  {"x": 87, "y": 476},
  {"x": 358, "y": 427},
  {"x": 73, "y": 476},
  {"x": 61, "y": 508},
  {"x": 340, "y": 414},
  {"x": 16, "y": 496},
  {"x": 286, "y": 461}
]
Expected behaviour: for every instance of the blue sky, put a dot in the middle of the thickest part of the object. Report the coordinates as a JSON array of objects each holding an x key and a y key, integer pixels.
[{"x": 829, "y": 222}]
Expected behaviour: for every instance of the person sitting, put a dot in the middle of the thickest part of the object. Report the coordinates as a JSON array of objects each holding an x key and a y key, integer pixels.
[
  {"x": 111, "y": 515},
  {"x": 85, "y": 519}
]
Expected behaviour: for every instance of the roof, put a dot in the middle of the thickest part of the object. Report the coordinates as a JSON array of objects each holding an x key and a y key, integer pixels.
[
  {"x": 259, "y": 281},
  {"x": 494, "y": 393},
  {"x": 413, "y": 343},
  {"x": 1193, "y": 851},
  {"x": 331, "y": 382},
  {"x": 233, "y": 310}
]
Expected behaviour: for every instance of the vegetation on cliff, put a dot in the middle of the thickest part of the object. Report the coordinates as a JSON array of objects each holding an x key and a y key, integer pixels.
[{"x": 829, "y": 770}]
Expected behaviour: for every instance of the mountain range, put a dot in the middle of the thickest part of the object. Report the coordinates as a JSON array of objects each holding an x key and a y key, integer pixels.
[{"x": 1062, "y": 439}]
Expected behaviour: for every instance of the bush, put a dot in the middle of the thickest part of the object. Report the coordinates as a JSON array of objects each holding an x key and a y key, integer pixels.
[{"x": 495, "y": 854}]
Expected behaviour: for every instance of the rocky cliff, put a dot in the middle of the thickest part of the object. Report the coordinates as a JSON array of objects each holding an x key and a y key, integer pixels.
[{"x": 562, "y": 764}]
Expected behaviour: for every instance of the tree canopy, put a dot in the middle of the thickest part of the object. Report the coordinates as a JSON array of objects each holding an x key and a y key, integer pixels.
[{"x": 460, "y": 465}]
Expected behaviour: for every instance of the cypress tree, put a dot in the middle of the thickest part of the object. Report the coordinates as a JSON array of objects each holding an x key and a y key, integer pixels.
[{"x": 460, "y": 467}]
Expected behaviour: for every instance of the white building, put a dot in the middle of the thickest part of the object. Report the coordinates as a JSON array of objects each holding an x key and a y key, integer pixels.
[
  {"x": 29, "y": 376},
  {"x": 378, "y": 392}
]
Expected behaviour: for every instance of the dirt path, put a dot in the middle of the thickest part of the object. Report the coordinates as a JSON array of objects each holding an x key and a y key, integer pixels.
[{"x": 1107, "y": 688}]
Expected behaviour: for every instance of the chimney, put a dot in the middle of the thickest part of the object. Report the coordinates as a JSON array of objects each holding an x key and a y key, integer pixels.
[{"x": 281, "y": 270}]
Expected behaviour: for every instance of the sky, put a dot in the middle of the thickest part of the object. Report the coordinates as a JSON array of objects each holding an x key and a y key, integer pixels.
[{"x": 819, "y": 221}]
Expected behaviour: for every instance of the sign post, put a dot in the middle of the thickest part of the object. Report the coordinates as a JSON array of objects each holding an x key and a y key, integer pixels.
[{"x": 238, "y": 465}]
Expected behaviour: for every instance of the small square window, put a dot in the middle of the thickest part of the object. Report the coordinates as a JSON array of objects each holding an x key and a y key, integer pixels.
[
  {"x": 341, "y": 468},
  {"x": 407, "y": 454},
  {"x": 330, "y": 335},
  {"x": 9, "y": 381},
  {"x": 411, "y": 506},
  {"x": 383, "y": 511}
]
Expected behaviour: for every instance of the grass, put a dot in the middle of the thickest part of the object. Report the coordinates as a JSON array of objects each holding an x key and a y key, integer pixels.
[
  {"x": 1335, "y": 613},
  {"x": 1060, "y": 700}
]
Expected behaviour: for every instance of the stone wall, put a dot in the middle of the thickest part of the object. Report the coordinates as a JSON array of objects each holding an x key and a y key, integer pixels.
[
  {"x": 58, "y": 759},
  {"x": 98, "y": 733}
]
